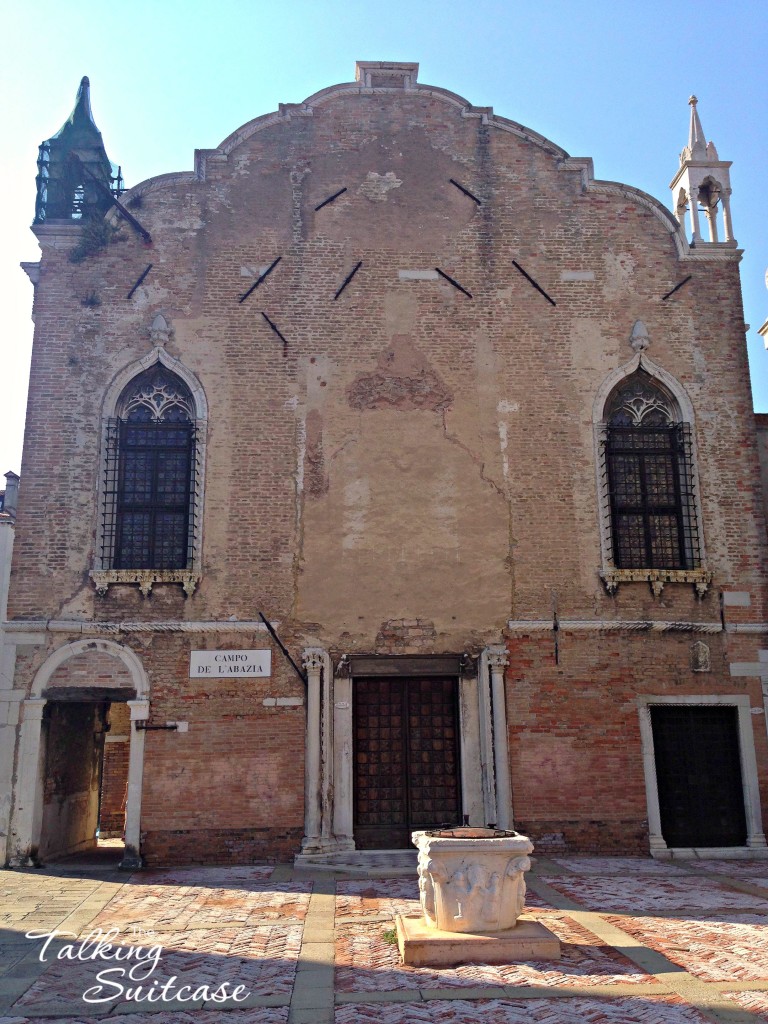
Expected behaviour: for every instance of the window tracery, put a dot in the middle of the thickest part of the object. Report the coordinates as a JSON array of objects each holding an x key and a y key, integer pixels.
[{"x": 158, "y": 396}]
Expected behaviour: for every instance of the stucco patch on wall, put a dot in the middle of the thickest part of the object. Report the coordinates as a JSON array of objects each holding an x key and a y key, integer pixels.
[
  {"x": 377, "y": 186},
  {"x": 316, "y": 478}
]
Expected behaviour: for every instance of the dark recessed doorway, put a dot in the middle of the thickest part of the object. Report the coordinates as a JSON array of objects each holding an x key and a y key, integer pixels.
[{"x": 698, "y": 772}]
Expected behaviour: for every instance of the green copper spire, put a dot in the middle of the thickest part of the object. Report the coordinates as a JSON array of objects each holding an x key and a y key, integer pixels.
[{"x": 75, "y": 175}]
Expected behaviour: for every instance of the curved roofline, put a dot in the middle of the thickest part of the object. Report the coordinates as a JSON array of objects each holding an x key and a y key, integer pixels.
[
  {"x": 589, "y": 183},
  {"x": 407, "y": 85},
  {"x": 286, "y": 111}
]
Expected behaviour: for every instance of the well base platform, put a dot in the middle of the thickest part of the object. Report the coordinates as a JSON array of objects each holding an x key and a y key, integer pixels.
[{"x": 423, "y": 946}]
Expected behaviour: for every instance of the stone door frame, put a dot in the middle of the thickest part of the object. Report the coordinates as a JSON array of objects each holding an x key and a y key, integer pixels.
[
  {"x": 483, "y": 747},
  {"x": 755, "y": 835},
  {"x": 27, "y": 813}
]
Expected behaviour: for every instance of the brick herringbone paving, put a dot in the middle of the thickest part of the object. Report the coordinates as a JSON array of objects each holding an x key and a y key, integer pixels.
[
  {"x": 701, "y": 947},
  {"x": 255, "y": 1015},
  {"x": 752, "y": 869},
  {"x": 367, "y": 962},
  {"x": 754, "y": 1002},
  {"x": 166, "y": 907},
  {"x": 732, "y": 948},
  {"x": 229, "y": 878},
  {"x": 616, "y": 866},
  {"x": 377, "y": 896},
  {"x": 263, "y": 960},
  {"x": 646, "y": 1010},
  {"x": 620, "y": 893}
]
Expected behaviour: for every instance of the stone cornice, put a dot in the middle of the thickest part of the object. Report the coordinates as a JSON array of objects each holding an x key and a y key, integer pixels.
[
  {"x": 700, "y": 578},
  {"x": 613, "y": 626},
  {"x": 32, "y": 270},
  {"x": 105, "y": 578},
  {"x": 25, "y": 626}
]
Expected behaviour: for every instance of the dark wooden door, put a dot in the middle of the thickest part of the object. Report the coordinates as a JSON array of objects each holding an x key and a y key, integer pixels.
[
  {"x": 406, "y": 756},
  {"x": 698, "y": 771}
]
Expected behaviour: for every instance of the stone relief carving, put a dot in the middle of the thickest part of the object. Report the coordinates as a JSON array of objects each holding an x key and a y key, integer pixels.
[
  {"x": 639, "y": 339},
  {"x": 159, "y": 331},
  {"x": 700, "y": 578},
  {"x": 160, "y": 393},
  {"x": 640, "y": 402},
  {"x": 105, "y": 578},
  {"x": 314, "y": 659},
  {"x": 498, "y": 656},
  {"x": 700, "y": 657},
  {"x": 472, "y": 884}
]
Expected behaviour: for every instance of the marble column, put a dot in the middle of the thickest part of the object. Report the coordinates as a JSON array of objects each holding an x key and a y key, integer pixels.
[
  {"x": 342, "y": 739},
  {"x": 28, "y": 812},
  {"x": 314, "y": 662},
  {"x": 132, "y": 857},
  {"x": 498, "y": 659}
]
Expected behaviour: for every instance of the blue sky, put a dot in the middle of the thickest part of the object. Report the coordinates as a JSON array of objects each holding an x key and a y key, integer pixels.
[{"x": 606, "y": 80}]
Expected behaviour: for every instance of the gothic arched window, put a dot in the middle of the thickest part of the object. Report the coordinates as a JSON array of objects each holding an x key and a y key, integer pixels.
[
  {"x": 648, "y": 462},
  {"x": 150, "y": 474}
]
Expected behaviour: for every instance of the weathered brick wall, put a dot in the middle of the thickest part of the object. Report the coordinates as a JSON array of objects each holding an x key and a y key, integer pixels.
[
  {"x": 94, "y": 668},
  {"x": 232, "y": 787},
  {"x": 114, "y": 772},
  {"x": 761, "y": 421},
  {"x": 574, "y": 729},
  {"x": 414, "y": 467},
  {"x": 387, "y": 406}
]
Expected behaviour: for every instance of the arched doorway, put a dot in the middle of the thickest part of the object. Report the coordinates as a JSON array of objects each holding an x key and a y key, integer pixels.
[{"x": 72, "y": 778}]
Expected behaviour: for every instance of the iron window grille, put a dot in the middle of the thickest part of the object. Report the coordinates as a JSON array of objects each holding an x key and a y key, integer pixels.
[
  {"x": 151, "y": 471},
  {"x": 650, "y": 485},
  {"x": 646, "y": 455}
]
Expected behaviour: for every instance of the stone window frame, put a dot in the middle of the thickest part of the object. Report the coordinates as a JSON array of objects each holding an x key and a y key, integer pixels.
[
  {"x": 102, "y": 574},
  {"x": 747, "y": 756},
  {"x": 610, "y": 574}
]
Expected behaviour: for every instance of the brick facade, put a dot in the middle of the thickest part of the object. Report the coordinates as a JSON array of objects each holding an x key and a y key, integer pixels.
[{"x": 412, "y": 471}]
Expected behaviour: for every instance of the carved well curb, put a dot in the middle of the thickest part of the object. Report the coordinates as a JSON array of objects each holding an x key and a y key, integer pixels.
[{"x": 472, "y": 879}]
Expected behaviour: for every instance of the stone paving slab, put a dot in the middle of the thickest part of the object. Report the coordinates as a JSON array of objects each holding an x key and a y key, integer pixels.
[
  {"x": 27, "y": 905},
  {"x": 625, "y": 893},
  {"x": 648, "y": 1010},
  {"x": 367, "y": 962},
  {"x": 12, "y": 956},
  {"x": 708, "y": 947}
]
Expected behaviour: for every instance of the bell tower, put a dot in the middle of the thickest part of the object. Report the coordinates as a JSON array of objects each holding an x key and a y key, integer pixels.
[
  {"x": 75, "y": 179},
  {"x": 702, "y": 185}
]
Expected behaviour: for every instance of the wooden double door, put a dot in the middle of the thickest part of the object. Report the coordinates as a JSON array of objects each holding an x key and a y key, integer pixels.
[{"x": 406, "y": 758}]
